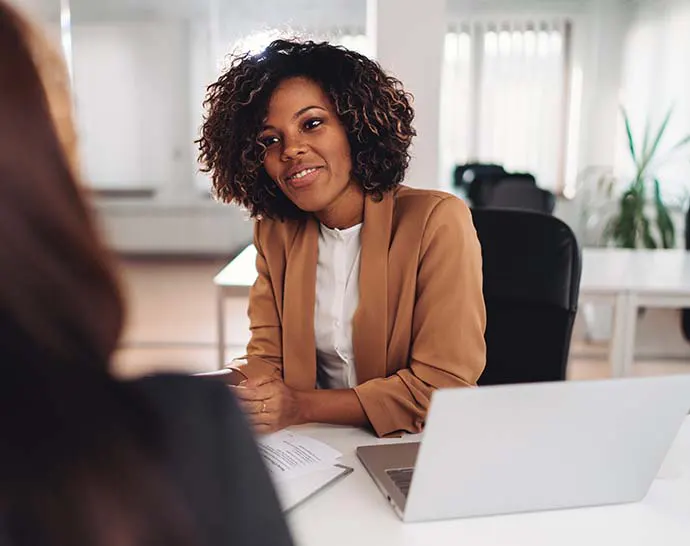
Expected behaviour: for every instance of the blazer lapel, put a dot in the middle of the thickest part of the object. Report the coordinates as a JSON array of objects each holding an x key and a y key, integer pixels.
[
  {"x": 299, "y": 345},
  {"x": 370, "y": 322}
]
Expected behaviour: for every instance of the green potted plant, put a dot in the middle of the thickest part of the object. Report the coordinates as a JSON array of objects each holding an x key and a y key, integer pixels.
[{"x": 642, "y": 218}]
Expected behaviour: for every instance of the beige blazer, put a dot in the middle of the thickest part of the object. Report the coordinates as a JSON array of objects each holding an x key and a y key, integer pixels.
[{"x": 420, "y": 321}]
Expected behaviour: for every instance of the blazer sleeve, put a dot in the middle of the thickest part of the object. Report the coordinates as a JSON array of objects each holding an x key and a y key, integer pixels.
[
  {"x": 265, "y": 348},
  {"x": 448, "y": 323}
]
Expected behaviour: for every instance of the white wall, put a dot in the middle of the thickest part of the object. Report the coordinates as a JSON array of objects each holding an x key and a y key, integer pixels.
[
  {"x": 656, "y": 60},
  {"x": 601, "y": 46},
  {"x": 408, "y": 38},
  {"x": 202, "y": 71},
  {"x": 130, "y": 83}
]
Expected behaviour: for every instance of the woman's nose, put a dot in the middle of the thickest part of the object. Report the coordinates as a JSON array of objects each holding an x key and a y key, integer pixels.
[{"x": 293, "y": 149}]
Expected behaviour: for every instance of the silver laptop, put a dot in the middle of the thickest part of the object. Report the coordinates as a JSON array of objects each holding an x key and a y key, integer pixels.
[{"x": 518, "y": 448}]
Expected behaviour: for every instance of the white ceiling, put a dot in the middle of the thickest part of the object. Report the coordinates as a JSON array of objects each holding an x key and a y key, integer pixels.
[
  {"x": 263, "y": 12},
  {"x": 272, "y": 13}
]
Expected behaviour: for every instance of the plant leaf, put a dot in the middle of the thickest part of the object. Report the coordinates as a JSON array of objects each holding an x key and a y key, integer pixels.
[
  {"x": 628, "y": 131},
  {"x": 682, "y": 142},
  {"x": 663, "y": 219},
  {"x": 645, "y": 141},
  {"x": 647, "y": 238},
  {"x": 626, "y": 225},
  {"x": 650, "y": 153}
]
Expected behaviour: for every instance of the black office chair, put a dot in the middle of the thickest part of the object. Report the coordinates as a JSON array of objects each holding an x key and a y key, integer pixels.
[
  {"x": 685, "y": 313},
  {"x": 520, "y": 191},
  {"x": 478, "y": 180},
  {"x": 531, "y": 266}
]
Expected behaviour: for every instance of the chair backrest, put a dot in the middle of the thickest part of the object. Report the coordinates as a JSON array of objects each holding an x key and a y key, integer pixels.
[
  {"x": 520, "y": 191},
  {"x": 479, "y": 180},
  {"x": 531, "y": 267},
  {"x": 685, "y": 313}
]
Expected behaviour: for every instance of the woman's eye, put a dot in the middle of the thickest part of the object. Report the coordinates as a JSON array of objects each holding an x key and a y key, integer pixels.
[
  {"x": 268, "y": 141},
  {"x": 312, "y": 123}
]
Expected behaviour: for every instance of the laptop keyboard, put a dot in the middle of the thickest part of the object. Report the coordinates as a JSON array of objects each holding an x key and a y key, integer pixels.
[{"x": 402, "y": 478}]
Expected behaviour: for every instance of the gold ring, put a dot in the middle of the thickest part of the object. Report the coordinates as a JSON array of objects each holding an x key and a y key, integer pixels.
[{"x": 263, "y": 407}]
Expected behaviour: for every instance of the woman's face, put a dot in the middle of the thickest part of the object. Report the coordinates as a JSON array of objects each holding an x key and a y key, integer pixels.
[{"x": 307, "y": 151}]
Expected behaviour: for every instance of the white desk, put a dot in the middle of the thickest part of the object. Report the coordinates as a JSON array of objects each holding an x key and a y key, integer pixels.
[
  {"x": 624, "y": 279},
  {"x": 628, "y": 280},
  {"x": 234, "y": 280},
  {"x": 604, "y": 274},
  {"x": 353, "y": 512}
]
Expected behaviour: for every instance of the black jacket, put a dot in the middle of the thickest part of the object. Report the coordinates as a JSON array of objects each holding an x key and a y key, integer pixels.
[{"x": 215, "y": 462}]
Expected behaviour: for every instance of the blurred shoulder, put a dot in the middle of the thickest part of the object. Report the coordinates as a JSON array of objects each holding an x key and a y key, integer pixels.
[
  {"x": 185, "y": 397},
  {"x": 178, "y": 384}
]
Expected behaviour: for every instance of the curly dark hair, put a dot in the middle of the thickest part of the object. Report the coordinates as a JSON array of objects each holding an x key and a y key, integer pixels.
[{"x": 373, "y": 107}]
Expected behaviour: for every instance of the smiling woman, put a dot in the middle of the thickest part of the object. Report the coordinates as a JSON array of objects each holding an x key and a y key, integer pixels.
[
  {"x": 372, "y": 107},
  {"x": 369, "y": 294},
  {"x": 307, "y": 154}
]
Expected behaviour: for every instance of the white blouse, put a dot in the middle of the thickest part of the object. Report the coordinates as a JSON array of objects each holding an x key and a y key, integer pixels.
[{"x": 337, "y": 296}]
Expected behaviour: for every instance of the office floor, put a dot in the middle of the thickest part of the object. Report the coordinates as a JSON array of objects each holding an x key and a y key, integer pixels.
[{"x": 172, "y": 323}]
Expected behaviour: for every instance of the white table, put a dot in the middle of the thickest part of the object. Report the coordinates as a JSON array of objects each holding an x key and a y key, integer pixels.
[
  {"x": 354, "y": 512},
  {"x": 628, "y": 280},
  {"x": 234, "y": 280},
  {"x": 624, "y": 279}
]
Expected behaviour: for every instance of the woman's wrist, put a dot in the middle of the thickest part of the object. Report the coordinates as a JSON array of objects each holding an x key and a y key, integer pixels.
[
  {"x": 303, "y": 403},
  {"x": 338, "y": 407}
]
